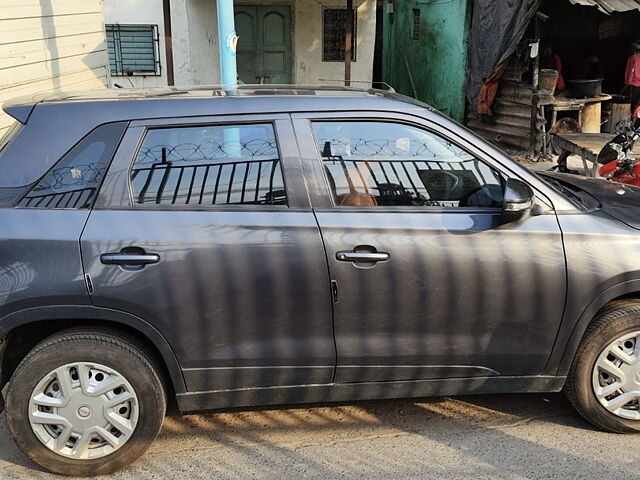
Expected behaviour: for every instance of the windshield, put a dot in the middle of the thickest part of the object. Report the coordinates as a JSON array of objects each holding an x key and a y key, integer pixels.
[{"x": 577, "y": 196}]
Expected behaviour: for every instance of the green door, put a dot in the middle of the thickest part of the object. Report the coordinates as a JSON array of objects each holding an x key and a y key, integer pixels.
[{"x": 264, "y": 46}]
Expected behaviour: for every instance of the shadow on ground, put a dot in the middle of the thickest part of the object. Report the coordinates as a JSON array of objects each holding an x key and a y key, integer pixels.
[{"x": 501, "y": 436}]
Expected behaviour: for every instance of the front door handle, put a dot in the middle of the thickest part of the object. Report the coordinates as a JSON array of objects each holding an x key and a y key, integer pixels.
[
  {"x": 362, "y": 257},
  {"x": 130, "y": 258}
]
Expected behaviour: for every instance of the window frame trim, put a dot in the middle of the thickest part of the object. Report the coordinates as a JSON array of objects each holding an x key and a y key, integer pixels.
[{"x": 115, "y": 195}]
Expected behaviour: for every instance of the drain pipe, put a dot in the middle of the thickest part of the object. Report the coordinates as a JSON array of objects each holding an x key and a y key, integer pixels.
[
  {"x": 228, "y": 41},
  {"x": 168, "y": 42}
]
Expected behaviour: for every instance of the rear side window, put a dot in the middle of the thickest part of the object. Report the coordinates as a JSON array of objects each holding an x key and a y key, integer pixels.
[
  {"x": 209, "y": 165},
  {"x": 74, "y": 181}
]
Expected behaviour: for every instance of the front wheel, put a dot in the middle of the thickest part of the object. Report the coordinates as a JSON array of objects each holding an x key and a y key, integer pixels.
[
  {"x": 84, "y": 403},
  {"x": 604, "y": 381}
]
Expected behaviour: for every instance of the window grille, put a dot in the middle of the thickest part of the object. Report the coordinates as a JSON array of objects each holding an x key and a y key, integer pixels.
[
  {"x": 333, "y": 35},
  {"x": 416, "y": 24},
  {"x": 134, "y": 48}
]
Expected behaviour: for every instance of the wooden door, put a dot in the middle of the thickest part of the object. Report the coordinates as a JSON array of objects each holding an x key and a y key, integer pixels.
[{"x": 264, "y": 45}]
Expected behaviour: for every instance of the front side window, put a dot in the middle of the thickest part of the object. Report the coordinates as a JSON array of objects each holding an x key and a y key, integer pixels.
[
  {"x": 74, "y": 181},
  {"x": 371, "y": 164},
  {"x": 209, "y": 165}
]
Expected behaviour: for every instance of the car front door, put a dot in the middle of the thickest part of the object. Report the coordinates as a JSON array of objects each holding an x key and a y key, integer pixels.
[
  {"x": 203, "y": 228},
  {"x": 428, "y": 280}
]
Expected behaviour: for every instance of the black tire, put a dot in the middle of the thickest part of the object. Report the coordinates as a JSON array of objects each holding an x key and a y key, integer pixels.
[
  {"x": 613, "y": 321},
  {"x": 110, "y": 350}
]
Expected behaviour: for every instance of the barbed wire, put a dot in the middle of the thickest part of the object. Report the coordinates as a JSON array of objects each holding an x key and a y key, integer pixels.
[
  {"x": 208, "y": 151},
  {"x": 398, "y": 148},
  {"x": 77, "y": 176}
]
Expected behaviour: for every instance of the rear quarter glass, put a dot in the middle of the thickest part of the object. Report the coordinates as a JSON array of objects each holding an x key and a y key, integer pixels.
[
  {"x": 10, "y": 196},
  {"x": 9, "y": 135}
]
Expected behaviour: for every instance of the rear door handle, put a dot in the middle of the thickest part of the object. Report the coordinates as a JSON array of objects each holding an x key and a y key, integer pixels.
[{"x": 129, "y": 258}]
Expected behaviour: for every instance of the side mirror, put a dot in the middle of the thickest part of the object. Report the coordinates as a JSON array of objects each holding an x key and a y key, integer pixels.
[{"x": 518, "y": 200}]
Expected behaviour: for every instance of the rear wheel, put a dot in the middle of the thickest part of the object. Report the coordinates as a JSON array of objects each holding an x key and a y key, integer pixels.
[
  {"x": 85, "y": 403},
  {"x": 604, "y": 381}
]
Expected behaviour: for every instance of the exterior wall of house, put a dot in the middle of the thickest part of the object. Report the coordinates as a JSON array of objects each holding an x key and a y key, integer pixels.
[
  {"x": 195, "y": 39},
  {"x": 147, "y": 12},
  {"x": 309, "y": 67},
  {"x": 50, "y": 46},
  {"x": 436, "y": 59},
  {"x": 202, "y": 21}
]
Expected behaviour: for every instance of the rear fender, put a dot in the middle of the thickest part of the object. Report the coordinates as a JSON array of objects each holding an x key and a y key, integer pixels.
[{"x": 109, "y": 317}]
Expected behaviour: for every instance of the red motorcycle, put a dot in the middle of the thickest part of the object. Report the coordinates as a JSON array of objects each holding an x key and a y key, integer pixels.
[{"x": 618, "y": 161}]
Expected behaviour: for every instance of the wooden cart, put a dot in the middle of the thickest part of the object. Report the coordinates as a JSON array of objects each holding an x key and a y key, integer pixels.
[{"x": 586, "y": 146}]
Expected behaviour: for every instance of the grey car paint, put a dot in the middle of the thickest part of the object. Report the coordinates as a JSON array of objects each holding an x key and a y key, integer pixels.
[
  {"x": 242, "y": 296},
  {"x": 40, "y": 258}
]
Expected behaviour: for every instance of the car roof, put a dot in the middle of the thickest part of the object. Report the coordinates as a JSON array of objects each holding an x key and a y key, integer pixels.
[
  {"x": 57, "y": 121},
  {"x": 289, "y": 96}
]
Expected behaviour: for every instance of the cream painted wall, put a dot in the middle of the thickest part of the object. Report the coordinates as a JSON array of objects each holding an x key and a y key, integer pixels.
[
  {"x": 181, "y": 45},
  {"x": 146, "y": 12},
  {"x": 203, "y": 41},
  {"x": 309, "y": 67},
  {"x": 50, "y": 46},
  {"x": 194, "y": 36}
]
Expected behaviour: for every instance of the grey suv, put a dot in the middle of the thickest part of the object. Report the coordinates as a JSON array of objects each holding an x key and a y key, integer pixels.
[{"x": 291, "y": 245}]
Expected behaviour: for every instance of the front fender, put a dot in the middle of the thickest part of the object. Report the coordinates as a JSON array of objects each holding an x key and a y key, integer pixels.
[{"x": 567, "y": 343}]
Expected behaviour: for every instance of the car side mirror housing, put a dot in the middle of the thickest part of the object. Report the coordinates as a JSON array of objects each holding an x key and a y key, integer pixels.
[{"x": 518, "y": 200}]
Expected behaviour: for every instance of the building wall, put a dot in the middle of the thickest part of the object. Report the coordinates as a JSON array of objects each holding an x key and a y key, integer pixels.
[
  {"x": 306, "y": 23},
  {"x": 195, "y": 39},
  {"x": 309, "y": 67},
  {"x": 50, "y": 45},
  {"x": 147, "y": 12},
  {"x": 437, "y": 61},
  {"x": 202, "y": 21}
]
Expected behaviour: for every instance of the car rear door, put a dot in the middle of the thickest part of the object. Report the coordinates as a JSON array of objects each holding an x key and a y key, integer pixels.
[
  {"x": 203, "y": 228},
  {"x": 428, "y": 281}
]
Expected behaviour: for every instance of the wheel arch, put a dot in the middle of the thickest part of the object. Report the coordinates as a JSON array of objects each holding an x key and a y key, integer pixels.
[
  {"x": 24, "y": 329},
  {"x": 565, "y": 351}
]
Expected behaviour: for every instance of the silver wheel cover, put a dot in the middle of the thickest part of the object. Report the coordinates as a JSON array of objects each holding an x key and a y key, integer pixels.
[
  {"x": 83, "y": 410},
  {"x": 616, "y": 377}
]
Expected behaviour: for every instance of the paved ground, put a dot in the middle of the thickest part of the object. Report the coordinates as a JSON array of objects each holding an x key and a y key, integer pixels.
[{"x": 505, "y": 436}]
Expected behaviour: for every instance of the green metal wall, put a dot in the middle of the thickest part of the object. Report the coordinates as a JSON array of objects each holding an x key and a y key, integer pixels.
[{"x": 437, "y": 59}]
